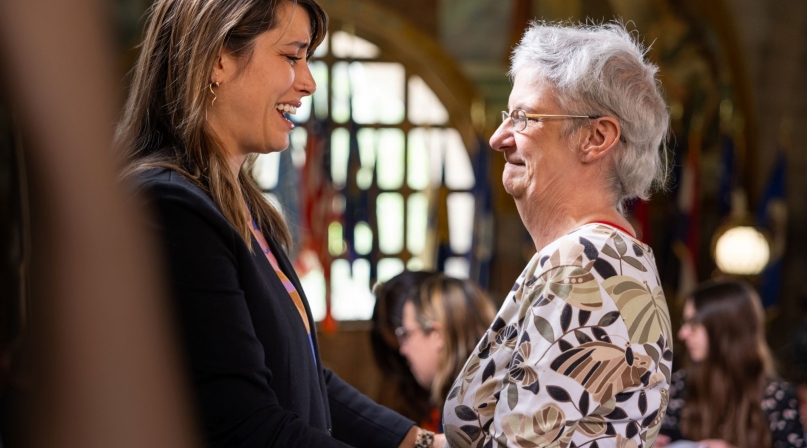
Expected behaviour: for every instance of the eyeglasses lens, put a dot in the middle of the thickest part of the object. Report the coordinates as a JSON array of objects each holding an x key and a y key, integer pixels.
[
  {"x": 518, "y": 119},
  {"x": 402, "y": 334}
]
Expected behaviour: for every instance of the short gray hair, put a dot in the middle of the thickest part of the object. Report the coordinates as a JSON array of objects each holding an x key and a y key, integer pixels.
[{"x": 601, "y": 70}]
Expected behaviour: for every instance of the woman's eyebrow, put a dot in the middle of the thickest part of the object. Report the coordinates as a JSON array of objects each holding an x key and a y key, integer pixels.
[{"x": 299, "y": 44}]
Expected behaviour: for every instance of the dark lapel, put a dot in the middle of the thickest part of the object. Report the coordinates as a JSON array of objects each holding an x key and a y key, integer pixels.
[{"x": 288, "y": 269}]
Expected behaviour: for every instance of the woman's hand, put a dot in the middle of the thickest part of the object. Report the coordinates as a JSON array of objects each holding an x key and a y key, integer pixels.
[
  {"x": 439, "y": 441},
  {"x": 715, "y": 443}
]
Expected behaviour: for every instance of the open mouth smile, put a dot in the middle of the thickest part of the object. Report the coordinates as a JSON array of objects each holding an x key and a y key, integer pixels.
[{"x": 285, "y": 109}]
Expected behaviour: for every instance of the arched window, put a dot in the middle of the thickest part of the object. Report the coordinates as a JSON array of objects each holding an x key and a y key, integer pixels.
[{"x": 376, "y": 180}]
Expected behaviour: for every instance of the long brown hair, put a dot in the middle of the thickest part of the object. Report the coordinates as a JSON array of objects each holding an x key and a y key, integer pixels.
[
  {"x": 724, "y": 391},
  {"x": 164, "y": 122},
  {"x": 464, "y": 313},
  {"x": 411, "y": 400}
]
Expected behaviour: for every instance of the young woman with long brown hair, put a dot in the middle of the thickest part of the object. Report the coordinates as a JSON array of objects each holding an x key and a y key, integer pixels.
[
  {"x": 729, "y": 395},
  {"x": 444, "y": 318},
  {"x": 399, "y": 390},
  {"x": 210, "y": 90}
]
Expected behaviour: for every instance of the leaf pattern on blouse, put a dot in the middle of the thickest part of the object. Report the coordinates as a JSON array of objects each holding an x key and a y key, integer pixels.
[{"x": 578, "y": 355}]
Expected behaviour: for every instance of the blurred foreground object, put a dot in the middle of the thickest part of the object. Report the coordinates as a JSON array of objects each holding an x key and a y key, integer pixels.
[{"x": 102, "y": 355}]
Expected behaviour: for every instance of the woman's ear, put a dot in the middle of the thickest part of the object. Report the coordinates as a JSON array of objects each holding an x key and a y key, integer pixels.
[
  {"x": 224, "y": 67},
  {"x": 599, "y": 138},
  {"x": 216, "y": 72}
]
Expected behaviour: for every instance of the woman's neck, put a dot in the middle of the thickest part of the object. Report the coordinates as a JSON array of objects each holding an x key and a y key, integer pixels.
[
  {"x": 549, "y": 219},
  {"x": 235, "y": 163}
]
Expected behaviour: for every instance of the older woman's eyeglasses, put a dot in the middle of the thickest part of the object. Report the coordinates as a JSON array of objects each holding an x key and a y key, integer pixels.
[{"x": 518, "y": 118}]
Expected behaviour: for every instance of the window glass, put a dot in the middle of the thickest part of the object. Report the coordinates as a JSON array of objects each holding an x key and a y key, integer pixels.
[
  {"x": 378, "y": 93},
  {"x": 347, "y": 45},
  {"x": 313, "y": 283},
  {"x": 319, "y": 70},
  {"x": 322, "y": 50},
  {"x": 424, "y": 106},
  {"x": 265, "y": 170},
  {"x": 389, "y": 213},
  {"x": 457, "y": 267},
  {"x": 304, "y": 111},
  {"x": 298, "y": 139},
  {"x": 351, "y": 298},
  {"x": 417, "y": 160},
  {"x": 388, "y": 268},
  {"x": 363, "y": 238},
  {"x": 417, "y": 216},
  {"x": 435, "y": 141},
  {"x": 336, "y": 245},
  {"x": 340, "y": 147},
  {"x": 459, "y": 173},
  {"x": 340, "y": 94},
  {"x": 415, "y": 264},
  {"x": 460, "y": 221},
  {"x": 390, "y": 159},
  {"x": 368, "y": 141}
]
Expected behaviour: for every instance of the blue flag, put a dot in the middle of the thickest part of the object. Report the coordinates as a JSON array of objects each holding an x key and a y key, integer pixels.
[
  {"x": 772, "y": 214},
  {"x": 482, "y": 248}
]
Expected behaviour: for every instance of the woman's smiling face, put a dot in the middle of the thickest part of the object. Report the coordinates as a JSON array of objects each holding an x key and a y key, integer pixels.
[
  {"x": 257, "y": 89},
  {"x": 539, "y": 158}
]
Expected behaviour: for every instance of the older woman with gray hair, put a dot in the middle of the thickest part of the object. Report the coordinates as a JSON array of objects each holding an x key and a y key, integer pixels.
[{"x": 580, "y": 352}]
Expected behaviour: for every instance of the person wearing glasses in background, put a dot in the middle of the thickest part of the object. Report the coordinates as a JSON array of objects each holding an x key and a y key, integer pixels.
[
  {"x": 729, "y": 395},
  {"x": 443, "y": 320},
  {"x": 580, "y": 351}
]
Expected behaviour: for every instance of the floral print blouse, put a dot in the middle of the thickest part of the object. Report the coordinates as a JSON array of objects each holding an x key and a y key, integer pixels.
[
  {"x": 779, "y": 403},
  {"x": 579, "y": 354}
]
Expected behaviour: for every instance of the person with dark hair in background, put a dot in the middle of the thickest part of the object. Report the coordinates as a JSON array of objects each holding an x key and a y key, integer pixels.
[
  {"x": 729, "y": 394},
  {"x": 399, "y": 390},
  {"x": 211, "y": 89},
  {"x": 433, "y": 322},
  {"x": 443, "y": 321}
]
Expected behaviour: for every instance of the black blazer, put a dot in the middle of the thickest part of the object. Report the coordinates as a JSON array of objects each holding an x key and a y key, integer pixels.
[{"x": 255, "y": 380}]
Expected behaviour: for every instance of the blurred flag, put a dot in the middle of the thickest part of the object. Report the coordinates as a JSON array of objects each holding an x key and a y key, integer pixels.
[
  {"x": 686, "y": 244},
  {"x": 772, "y": 214},
  {"x": 288, "y": 195},
  {"x": 482, "y": 248},
  {"x": 727, "y": 178},
  {"x": 356, "y": 198},
  {"x": 317, "y": 196},
  {"x": 438, "y": 220}
]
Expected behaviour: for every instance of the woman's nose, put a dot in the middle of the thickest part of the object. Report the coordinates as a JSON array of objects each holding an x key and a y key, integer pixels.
[
  {"x": 306, "y": 82},
  {"x": 502, "y": 137},
  {"x": 683, "y": 332}
]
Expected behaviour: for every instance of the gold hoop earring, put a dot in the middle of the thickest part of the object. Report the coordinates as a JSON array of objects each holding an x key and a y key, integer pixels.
[{"x": 214, "y": 93}]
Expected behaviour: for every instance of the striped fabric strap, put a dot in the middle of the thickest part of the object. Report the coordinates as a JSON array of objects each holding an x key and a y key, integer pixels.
[{"x": 295, "y": 296}]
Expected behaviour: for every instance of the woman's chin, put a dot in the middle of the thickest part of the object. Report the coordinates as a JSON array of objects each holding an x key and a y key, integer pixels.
[
  {"x": 277, "y": 144},
  {"x": 513, "y": 186}
]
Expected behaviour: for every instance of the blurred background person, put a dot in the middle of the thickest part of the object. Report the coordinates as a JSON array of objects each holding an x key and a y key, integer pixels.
[
  {"x": 443, "y": 320},
  {"x": 399, "y": 390},
  {"x": 729, "y": 394}
]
